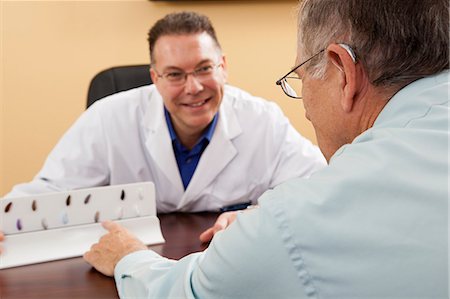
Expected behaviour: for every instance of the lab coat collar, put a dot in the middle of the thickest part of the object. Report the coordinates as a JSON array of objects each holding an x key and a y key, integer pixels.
[
  {"x": 217, "y": 155},
  {"x": 158, "y": 141}
]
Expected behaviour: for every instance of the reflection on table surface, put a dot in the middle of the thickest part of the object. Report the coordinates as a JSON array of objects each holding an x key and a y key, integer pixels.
[{"x": 74, "y": 278}]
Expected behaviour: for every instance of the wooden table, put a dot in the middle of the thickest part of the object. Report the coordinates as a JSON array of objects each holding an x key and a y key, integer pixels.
[{"x": 74, "y": 278}]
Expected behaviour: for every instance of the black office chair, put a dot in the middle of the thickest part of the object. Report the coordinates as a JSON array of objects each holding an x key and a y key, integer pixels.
[{"x": 117, "y": 79}]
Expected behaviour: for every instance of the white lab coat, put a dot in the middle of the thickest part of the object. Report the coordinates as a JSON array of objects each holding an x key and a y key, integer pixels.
[{"x": 124, "y": 139}]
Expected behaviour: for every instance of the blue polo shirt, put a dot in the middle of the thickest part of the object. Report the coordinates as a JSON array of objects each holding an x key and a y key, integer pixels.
[{"x": 187, "y": 160}]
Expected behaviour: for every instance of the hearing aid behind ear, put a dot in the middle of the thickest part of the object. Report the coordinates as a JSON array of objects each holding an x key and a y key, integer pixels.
[{"x": 350, "y": 51}]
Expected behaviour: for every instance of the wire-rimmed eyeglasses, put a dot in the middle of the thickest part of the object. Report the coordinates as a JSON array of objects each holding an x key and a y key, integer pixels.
[
  {"x": 179, "y": 77},
  {"x": 292, "y": 89}
]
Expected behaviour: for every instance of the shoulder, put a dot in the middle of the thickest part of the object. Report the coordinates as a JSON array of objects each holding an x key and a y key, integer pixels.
[
  {"x": 123, "y": 103},
  {"x": 246, "y": 104}
]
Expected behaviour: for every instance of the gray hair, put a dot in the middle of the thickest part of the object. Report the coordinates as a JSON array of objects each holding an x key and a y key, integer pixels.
[{"x": 397, "y": 41}]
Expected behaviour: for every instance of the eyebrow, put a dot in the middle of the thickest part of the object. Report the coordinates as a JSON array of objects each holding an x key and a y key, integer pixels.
[{"x": 171, "y": 67}]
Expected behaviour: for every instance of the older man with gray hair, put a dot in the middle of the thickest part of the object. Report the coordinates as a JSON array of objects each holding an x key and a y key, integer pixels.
[{"x": 373, "y": 224}]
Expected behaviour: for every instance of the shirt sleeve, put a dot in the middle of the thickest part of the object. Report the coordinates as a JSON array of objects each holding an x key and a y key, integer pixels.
[
  {"x": 78, "y": 160},
  {"x": 239, "y": 263}
]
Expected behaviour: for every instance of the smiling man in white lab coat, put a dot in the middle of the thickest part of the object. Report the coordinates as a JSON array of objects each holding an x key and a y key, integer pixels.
[{"x": 206, "y": 145}]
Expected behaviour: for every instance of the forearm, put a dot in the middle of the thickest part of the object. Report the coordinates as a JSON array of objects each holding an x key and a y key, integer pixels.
[
  {"x": 238, "y": 264},
  {"x": 146, "y": 274},
  {"x": 36, "y": 186}
]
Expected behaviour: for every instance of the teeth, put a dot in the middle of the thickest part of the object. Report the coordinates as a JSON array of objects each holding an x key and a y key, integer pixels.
[{"x": 197, "y": 104}]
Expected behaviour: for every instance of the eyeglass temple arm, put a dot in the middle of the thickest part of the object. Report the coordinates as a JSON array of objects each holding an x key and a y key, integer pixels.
[{"x": 281, "y": 79}]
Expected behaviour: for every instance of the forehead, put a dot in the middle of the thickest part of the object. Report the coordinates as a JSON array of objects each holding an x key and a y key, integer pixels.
[{"x": 184, "y": 51}]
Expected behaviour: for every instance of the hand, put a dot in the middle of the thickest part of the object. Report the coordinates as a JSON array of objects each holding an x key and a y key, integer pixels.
[
  {"x": 2, "y": 238},
  {"x": 222, "y": 222},
  {"x": 112, "y": 247}
]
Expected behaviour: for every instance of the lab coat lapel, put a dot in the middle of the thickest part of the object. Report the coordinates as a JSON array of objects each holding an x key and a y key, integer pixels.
[
  {"x": 217, "y": 155},
  {"x": 159, "y": 144}
]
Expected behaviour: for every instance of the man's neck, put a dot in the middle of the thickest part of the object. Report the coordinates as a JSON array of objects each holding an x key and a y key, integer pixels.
[
  {"x": 188, "y": 139},
  {"x": 375, "y": 101},
  {"x": 187, "y": 136}
]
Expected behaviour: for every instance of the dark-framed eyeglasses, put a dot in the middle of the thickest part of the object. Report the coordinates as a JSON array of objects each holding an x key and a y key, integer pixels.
[
  {"x": 179, "y": 77},
  {"x": 290, "y": 82}
]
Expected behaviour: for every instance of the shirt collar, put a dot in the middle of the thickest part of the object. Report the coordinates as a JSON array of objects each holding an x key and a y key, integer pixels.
[{"x": 206, "y": 135}]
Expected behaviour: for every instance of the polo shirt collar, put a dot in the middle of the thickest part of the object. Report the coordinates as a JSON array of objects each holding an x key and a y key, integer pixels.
[{"x": 206, "y": 135}]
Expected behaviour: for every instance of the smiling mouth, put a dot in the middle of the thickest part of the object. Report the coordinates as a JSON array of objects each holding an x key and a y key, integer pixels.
[{"x": 199, "y": 104}]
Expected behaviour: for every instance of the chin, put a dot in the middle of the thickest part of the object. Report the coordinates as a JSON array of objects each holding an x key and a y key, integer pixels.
[{"x": 200, "y": 122}]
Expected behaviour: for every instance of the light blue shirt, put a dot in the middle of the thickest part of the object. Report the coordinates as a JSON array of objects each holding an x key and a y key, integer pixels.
[{"x": 373, "y": 224}]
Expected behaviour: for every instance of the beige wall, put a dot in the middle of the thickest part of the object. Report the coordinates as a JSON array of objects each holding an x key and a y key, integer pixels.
[{"x": 51, "y": 49}]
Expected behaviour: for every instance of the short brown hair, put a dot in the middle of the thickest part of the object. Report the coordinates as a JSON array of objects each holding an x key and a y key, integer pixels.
[
  {"x": 397, "y": 41},
  {"x": 180, "y": 23}
]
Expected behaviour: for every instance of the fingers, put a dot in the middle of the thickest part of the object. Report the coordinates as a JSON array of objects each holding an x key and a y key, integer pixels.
[
  {"x": 110, "y": 225},
  {"x": 111, "y": 248},
  {"x": 92, "y": 255},
  {"x": 207, "y": 235},
  {"x": 98, "y": 259},
  {"x": 2, "y": 238},
  {"x": 221, "y": 223},
  {"x": 103, "y": 266},
  {"x": 87, "y": 256}
]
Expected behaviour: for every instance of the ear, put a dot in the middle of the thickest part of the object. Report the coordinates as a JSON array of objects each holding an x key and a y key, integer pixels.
[
  {"x": 344, "y": 60},
  {"x": 153, "y": 75},
  {"x": 224, "y": 68}
]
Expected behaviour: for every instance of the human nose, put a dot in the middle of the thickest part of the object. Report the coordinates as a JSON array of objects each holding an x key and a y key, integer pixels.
[{"x": 192, "y": 85}]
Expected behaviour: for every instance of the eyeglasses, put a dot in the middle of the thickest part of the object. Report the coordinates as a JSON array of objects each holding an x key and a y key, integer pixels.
[
  {"x": 202, "y": 73},
  {"x": 290, "y": 82}
]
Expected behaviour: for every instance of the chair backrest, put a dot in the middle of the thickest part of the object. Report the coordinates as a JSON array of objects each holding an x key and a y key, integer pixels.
[{"x": 117, "y": 79}]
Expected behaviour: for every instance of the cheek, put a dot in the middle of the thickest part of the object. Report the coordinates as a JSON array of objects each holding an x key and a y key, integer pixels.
[
  {"x": 312, "y": 93},
  {"x": 218, "y": 82},
  {"x": 307, "y": 97},
  {"x": 216, "y": 88},
  {"x": 306, "y": 90},
  {"x": 169, "y": 95},
  {"x": 307, "y": 109}
]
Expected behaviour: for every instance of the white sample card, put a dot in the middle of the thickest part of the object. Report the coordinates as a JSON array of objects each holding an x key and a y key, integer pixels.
[{"x": 66, "y": 224}]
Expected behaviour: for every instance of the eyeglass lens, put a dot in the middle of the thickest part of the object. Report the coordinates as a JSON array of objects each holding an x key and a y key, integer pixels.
[
  {"x": 292, "y": 86},
  {"x": 200, "y": 74}
]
